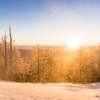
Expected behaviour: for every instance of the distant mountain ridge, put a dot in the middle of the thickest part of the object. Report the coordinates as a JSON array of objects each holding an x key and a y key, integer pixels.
[
  {"x": 28, "y": 47},
  {"x": 24, "y": 46}
]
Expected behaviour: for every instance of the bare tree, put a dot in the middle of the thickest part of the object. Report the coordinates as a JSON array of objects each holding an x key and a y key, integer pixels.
[
  {"x": 11, "y": 69},
  {"x": 38, "y": 63},
  {"x": 5, "y": 50},
  {"x": 11, "y": 51}
]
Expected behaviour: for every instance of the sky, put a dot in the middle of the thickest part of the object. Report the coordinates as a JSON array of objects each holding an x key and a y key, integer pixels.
[{"x": 51, "y": 21}]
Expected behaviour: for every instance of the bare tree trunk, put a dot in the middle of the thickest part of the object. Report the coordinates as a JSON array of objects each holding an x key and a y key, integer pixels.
[
  {"x": 38, "y": 64},
  {"x": 5, "y": 54},
  {"x": 10, "y": 36},
  {"x": 10, "y": 52}
]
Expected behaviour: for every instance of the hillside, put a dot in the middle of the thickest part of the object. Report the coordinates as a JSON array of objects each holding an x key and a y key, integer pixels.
[{"x": 60, "y": 91}]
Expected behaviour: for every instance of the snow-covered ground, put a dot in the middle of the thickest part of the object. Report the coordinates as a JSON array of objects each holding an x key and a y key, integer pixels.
[{"x": 58, "y": 91}]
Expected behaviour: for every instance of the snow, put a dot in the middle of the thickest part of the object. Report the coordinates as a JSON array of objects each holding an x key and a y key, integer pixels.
[{"x": 50, "y": 91}]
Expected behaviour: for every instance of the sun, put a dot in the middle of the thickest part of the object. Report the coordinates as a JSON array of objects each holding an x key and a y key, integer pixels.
[{"x": 74, "y": 42}]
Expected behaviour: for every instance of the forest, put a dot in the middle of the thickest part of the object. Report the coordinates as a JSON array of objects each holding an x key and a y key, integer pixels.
[{"x": 47, "y": 64}]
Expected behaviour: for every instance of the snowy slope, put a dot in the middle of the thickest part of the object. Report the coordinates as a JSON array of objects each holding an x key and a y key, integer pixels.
[{"x": 60, "y": 91}]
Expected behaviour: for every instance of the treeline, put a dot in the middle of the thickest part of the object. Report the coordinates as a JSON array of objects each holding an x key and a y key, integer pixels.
[{"x": 48, "y": 63}]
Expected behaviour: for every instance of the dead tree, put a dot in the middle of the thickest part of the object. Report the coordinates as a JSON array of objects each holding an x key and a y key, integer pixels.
[
  {"x": 38, "y": 64},
  {"x": 10, "y": 36},
  {"x": 10, "y": 51},
  {"x": 5, "y": 52}
]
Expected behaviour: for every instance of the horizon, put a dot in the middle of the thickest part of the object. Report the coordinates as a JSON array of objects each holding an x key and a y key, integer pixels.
[{"x": 51, "y": 22}]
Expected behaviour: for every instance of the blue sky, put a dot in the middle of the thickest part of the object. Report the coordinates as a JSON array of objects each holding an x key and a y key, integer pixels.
[{"x": 51, "y": 21}]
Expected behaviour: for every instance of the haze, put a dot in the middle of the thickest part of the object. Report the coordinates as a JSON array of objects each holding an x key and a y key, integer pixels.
[{"x": 51, "y": 21}]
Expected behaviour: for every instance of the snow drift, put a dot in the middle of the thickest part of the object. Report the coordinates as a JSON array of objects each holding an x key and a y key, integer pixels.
[{"x": 57, "y": 91}]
